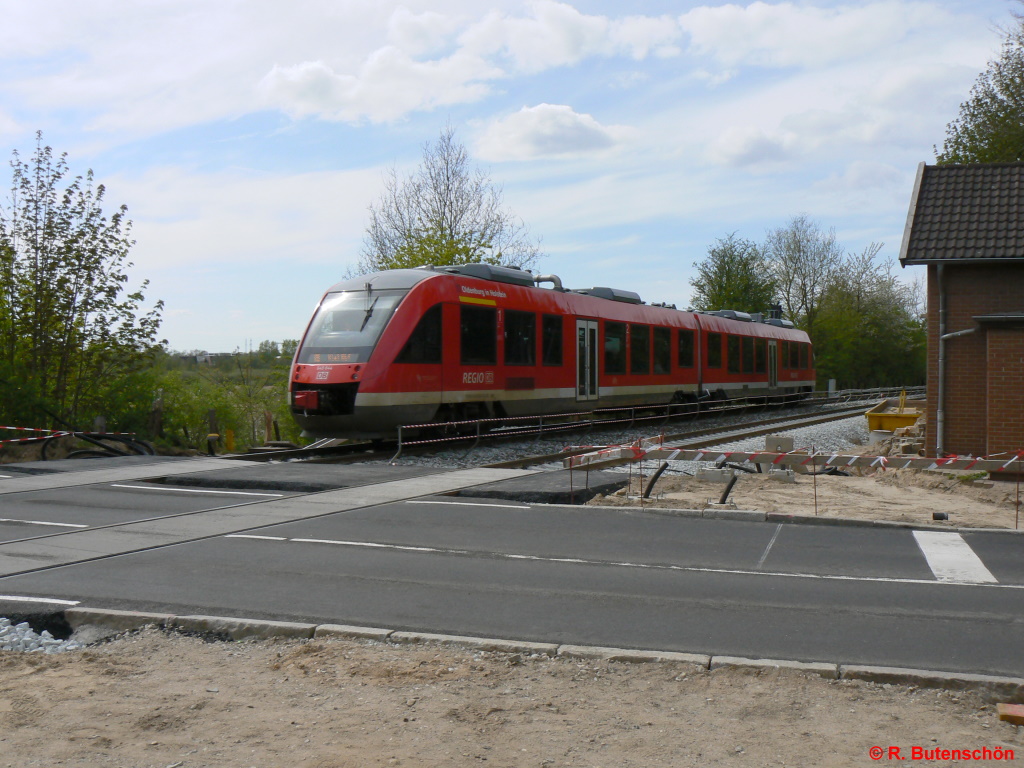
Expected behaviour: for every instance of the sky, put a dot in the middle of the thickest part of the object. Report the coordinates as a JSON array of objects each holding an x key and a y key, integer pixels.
[{"x": 249, "y": 137}]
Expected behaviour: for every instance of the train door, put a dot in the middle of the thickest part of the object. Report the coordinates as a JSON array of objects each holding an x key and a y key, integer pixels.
[
  {"x": 586, "y": 360},
  {"x": 773, "y": 364}
]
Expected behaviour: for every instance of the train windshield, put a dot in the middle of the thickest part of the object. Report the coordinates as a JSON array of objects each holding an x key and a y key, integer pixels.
[{"x": 347, "y": 325}]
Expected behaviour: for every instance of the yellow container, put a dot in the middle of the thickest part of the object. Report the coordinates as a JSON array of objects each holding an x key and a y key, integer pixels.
[{"x": 880, "y": 418}]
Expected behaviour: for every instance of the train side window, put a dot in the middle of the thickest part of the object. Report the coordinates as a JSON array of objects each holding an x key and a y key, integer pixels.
[
  {"x": 804, "y": 355},
  {"x": 662, "y": 350},
  {"x": 520, "y": 338},
  {"x": 479, "y": 335},
  {"x": 748, "y": 354},
  {"x": 640, "y": 349},
  {"x": 794, "y": 354},
  {"x": 424, "y": 344},
  {"x": 551, "y": 328},
  {"x": 732, "y": 349},
  {"x": 784, "y": 354},
  {"x": 685, "y": 348},
  {"x": 614, "y": 347},
  {"x": 714, "y": 350},
  {"x": 760, "y": 356}
]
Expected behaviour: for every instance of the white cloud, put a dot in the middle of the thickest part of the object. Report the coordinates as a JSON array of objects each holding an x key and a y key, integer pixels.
[
  {"x": 420, "y": 33},
  {"x": 751, "y": 147},
  {"x": 789, "y": 35},
  {"x": 556, "y": 34},
  {"x": 183, "y": 218},
  {"x": 389, "y": 85},
  {"x": 546, "y": 130}
]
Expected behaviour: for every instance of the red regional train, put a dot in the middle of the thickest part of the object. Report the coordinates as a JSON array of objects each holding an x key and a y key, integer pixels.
[{"x": 438, "y": 344}]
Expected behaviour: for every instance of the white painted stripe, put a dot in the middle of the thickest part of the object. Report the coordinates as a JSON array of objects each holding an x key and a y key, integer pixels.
[
  {"x": 470, "y": 504},
  {"x": 41, "y": 522},
  {"x": 771, "y": 544},
  {"x": 642, "y": 566},
  {"x": 249, "y": 536},
  {"x": 6, "y": 477},
  {"x": 193, "y": 490},
  {"x": 952, "y": 559},
  {"x": 16, "y": 599}
]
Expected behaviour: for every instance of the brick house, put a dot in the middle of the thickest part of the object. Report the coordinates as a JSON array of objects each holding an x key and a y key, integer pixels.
[{"x": 966, "y": 225}]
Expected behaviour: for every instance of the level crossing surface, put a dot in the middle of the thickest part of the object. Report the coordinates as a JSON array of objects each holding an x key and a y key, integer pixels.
[{"x": 397, "y": 554}]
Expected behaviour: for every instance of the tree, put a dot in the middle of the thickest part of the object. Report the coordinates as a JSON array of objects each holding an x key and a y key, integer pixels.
[
  {"x": 443, "y": 213},
  {"x": 71, "y": 337},
  {"x": 804, "y": 260},
  {"x": 990, "y": 127},
  {"x": 870, "y": 330},
  {"x": 735, "y": 275}
]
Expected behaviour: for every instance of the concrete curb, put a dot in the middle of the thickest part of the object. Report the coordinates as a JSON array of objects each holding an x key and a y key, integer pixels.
[
  {"x": 105, "y": 622},
  {"x": 632, "y": 656},
  {"x": 828, "y": 671},
  {"x": 785, "y": 517},
  {"x": 476, "y": 643},
  {"x": 992, "y": 687},
  {"x": 238, "y": 629}
]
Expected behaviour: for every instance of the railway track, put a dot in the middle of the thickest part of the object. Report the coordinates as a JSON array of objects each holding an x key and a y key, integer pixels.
[
  {"x": 702, "y": 438},
  {"x": 492, "y": 431}
]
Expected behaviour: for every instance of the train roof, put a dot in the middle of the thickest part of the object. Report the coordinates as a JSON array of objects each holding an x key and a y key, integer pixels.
[{"x": 405, "y": 279}]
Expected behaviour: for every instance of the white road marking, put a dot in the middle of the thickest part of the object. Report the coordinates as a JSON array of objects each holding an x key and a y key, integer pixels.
[
  {"x": 768, "y": 549},
  {"x": 192, "y": 490},
  {"x": 952, "y": 559},
  {"x": 6, "y": 477},
  {"x": 643, "y": 566},
  {"x": 41, "y": 522},
  {"x": 16, "y": 599},
  {"x": 249, "y": 536},
  {"x": 471, "y": 504}
]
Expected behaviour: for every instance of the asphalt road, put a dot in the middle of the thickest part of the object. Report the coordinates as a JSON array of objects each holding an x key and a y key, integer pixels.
[{"x": 556, "y": 574}]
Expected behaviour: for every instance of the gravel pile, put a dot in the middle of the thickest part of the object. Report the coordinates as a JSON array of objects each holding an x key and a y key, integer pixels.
[{"x": 21, "y": 637}]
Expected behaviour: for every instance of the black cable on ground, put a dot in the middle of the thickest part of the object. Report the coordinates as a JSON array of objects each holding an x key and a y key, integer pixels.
[{"x": 728, "y": 489}]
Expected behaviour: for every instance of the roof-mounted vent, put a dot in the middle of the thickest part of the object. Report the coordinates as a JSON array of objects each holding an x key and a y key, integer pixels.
[
  {"x": 732, "y": 314},
  {"x": 613, "y": 294},
  {"x": 512, "y": 275},
  {"x": 778, "y": 321}
]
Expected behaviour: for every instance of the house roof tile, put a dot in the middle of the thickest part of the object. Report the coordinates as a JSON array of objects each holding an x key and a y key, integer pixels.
[{"x": 965, "y": 212}]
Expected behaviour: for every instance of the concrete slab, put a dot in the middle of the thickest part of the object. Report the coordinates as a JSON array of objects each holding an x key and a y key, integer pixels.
[
  {"x": 85, "y": 465},
  {"x": 121, "y": 471},
  {"x": 558, "y": 487},
  {"x": 298, "y": 477},
  {"x": 67, "y": 548}
]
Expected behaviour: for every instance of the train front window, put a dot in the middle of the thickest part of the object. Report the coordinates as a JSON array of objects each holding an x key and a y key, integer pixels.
[{"x": 347, "y": 325}]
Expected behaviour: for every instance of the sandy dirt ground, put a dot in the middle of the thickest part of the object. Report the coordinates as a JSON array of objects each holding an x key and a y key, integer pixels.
[{"x": 152, "y": 699}]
